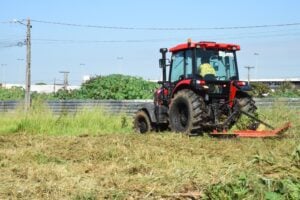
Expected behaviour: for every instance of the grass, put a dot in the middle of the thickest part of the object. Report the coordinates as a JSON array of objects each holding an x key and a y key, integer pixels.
[
  {"x": 40, "y": 120},
  {"x": 96, "y": 156}
]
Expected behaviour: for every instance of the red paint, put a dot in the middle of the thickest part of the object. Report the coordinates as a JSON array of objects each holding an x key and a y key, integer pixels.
[
  {"x": 255, "y": 134},
  {"x": 185, "y": 82},
  {"x": 241, "y": 83},
  {"x": 269, "y": 133},
  {"x": 201, "y": 82},
  {"x": 158, "y": 94},
  {"x": 232, "y": 94},
  {"x": 206, "y": 45}
]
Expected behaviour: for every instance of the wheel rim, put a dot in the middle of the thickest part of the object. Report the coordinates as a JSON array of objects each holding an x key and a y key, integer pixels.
[
  {"x": 182, "y": 118},
  {"x": 142, "y": 125}
]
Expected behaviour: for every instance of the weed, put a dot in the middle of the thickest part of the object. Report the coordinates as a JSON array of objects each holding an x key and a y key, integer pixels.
[
  {"x": 86, "y": 196},
  {"x": 296, "y": 156}
]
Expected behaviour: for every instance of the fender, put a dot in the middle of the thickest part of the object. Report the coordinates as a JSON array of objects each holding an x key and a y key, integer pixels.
[
  {"x": 149, "y": 109},
  {"x": 182, "y": 84}
]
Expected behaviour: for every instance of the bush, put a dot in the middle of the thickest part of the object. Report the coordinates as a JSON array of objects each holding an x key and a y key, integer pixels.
[
  {"x": 14, "y": 93},
  {"x": 259, "y": 89},
  {"x": 286, "y": 89},
  {"x": 116, "y": 87}
]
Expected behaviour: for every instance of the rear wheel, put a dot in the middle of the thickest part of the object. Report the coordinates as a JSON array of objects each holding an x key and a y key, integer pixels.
[
  {"x": 185, "y": 114},
  {"x": 142, "y": 123}
]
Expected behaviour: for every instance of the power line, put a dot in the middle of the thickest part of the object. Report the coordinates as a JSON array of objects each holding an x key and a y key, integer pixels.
[
  {"x": 160, "y": 40},
  {"x": 166, "y": 28},
  {"x": 103, "y": 41}
]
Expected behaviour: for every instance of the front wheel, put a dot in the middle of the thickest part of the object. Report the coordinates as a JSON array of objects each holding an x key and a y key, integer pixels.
[{"x": 142, "y": 123}]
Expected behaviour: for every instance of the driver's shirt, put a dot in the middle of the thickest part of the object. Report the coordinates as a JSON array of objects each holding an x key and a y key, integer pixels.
[{"x": 206, "y": 68}]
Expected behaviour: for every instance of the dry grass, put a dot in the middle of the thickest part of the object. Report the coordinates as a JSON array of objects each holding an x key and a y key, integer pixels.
[
  {"x": 135, "y": 166},
  {"x": 39, "y": 163}
]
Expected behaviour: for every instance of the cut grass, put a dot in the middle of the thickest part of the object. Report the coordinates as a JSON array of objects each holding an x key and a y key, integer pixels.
[
  {"x": 95, "y": 155},
  {"x": 155, "y": 165}
]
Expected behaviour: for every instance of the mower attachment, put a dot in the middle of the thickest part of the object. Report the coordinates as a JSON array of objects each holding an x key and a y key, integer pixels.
[
  {"x": 266, "y": 133},
  {"x": 256, "y": 133}
]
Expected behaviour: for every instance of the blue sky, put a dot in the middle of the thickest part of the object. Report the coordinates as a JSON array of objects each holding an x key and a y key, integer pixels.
[{"x": 83, "y": 50}]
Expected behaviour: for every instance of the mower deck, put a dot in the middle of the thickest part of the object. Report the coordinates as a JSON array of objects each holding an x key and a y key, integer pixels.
[{"x": 255, "y": 134}]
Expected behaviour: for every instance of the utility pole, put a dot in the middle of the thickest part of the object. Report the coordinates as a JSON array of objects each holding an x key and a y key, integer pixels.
[
  {"x": 28, "y": 67},
  {"x": 27, "y": 100},
  {"x": 66, "y": 81},
  {"x": 249, "y": 68}
]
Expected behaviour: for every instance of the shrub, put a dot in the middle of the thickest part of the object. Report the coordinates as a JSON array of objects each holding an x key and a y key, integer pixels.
[
  {"x": 117, "y": 87},
  {"x": 14, "y": 93},
  {"x": 258, "y": 89}
]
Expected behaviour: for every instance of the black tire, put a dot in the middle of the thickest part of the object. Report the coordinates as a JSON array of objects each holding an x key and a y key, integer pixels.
[
  {"x": 142, "y": 123},
  {"x": 185, "y": 113}
]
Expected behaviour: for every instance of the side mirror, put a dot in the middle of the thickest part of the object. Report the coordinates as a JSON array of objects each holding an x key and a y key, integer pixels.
[{"x": 162, "y": 63}]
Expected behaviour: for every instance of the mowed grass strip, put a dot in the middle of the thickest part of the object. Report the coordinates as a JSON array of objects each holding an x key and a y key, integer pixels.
[{"x": 137, "y": 166}]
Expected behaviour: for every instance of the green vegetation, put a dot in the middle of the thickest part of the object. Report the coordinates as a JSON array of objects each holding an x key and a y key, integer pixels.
[
  {"x": 114, "y": 86},
  {"x": 122, "y": 87},
  {"x": 40, "y": 120},
  {"x": 259, "y": 89},
  {"x": 95, "y": 155},
  {"x": 14, "y": 93},
  {"x": 117, "y": 87},
  {"x": 286, "y": 89}
]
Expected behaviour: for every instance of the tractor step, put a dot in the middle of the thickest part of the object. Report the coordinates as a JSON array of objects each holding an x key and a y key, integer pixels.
[{"x": 255, "y": 134}]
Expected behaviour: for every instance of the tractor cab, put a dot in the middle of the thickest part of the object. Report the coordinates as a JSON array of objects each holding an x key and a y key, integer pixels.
[
  {"x": 208, "y": 67},
  {"x": 188, "y": 61}
]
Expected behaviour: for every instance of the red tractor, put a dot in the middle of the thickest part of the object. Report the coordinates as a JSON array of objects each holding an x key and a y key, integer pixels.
[{"x": 202, "y": 92}]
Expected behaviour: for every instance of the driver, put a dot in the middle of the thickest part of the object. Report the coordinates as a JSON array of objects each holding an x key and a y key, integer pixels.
[{"x": 205, "y": 69}]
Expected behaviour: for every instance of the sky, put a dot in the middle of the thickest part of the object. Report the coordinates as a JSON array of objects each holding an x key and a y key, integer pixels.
[{"x": 124, "y": 37}]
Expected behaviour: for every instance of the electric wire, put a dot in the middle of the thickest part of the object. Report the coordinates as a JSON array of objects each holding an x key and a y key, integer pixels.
[
  {"x": 42, "y": 40},
  {"x": 166, "y": 28}
]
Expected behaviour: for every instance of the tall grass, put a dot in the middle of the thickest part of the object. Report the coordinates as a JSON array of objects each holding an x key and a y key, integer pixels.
[{"x": 40, "y": 120}]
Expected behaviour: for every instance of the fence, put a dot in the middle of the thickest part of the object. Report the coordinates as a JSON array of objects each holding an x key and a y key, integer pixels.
[{"x": 127, "y": 106}]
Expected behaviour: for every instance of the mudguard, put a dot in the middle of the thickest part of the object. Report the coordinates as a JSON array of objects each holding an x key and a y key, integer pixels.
[{"x": 149, "y": 108}]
